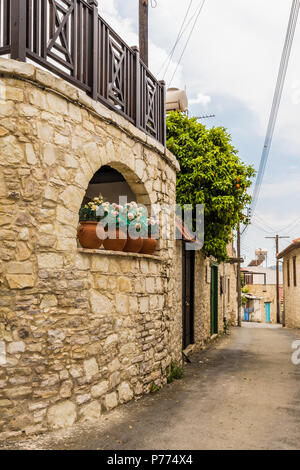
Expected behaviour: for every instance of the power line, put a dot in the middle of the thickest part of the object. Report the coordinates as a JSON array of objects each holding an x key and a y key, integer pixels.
[
  {"x": 261, "y": 228},
  {"x": 187, "y": 42},
  {"x": 263, "y": 222},
  {"x": 180, "y": 33},
  {"x": 276, "y": 100},
  {"x": 292, "y": 225}
]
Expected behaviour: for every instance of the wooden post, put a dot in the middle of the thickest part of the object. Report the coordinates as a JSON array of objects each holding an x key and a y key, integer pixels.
[
  {"x": 95, "y": 45},
  {"x": 143, "y": 31},
  {"x": 239, "y": 285},
  {"x": 137, "y": 87},
  {"x": 163, "y": 112},
  {"x": 277, "y": 281},
  {"x": 276, "y": 238},
  {"x": 18, "y": 30}
]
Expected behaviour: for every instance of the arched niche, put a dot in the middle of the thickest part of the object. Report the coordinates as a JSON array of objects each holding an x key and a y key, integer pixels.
[{"x": 115, "y": 180}]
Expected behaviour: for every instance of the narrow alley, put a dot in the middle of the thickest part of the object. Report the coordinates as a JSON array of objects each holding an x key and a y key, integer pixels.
[{"x": 242, "y": 393}]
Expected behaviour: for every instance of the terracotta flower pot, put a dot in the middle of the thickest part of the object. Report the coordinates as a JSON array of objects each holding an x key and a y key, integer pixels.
[
  {"x": 149, "y": 246},
  {"x": 115, "y": 243},
  {"x": 87, "y": 235},
  {"x": 133, "y": 245}
]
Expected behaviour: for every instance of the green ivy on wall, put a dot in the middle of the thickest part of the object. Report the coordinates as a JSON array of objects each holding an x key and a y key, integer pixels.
[{"x": 211, "y": 174}]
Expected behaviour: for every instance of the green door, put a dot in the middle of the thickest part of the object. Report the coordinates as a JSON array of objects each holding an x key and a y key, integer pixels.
[{"x": 214, "y": 300}]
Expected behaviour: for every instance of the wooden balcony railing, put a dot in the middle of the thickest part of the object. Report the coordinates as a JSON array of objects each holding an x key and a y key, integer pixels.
[{"x": 69, "y": 38}]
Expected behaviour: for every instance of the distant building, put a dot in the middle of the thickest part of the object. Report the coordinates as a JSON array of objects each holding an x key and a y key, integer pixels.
[
  {"x": 291, "y": 283},
  {"x": 260, "y": 284}
]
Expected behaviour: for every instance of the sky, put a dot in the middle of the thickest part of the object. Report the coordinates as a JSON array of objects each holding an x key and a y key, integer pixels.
[{"x": 229, "y": 69}]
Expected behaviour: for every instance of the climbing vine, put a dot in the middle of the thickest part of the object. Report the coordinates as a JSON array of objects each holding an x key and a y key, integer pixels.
[{"x": 211, "y": 174}]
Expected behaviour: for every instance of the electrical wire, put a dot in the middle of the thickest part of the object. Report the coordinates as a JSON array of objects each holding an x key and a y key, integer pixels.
[
  {"x": 276, "y": 101},
  {"x": 187, "y": 42},
  {"x": 263, "y": 222},
  {"x": 291, "y": 225},
  {"x": 179, "y": 36},
  {"x": 273, "y": 229},
  {"x": 259, "y": 227}
]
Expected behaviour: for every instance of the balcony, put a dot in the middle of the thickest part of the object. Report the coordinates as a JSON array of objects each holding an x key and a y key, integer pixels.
[{"x": 70, "y": 39}]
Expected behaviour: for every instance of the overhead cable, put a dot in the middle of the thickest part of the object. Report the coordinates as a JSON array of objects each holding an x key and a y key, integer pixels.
[
  {"x": 187, "y": 41},
  {"x": 276, "y": 101},
  {"x": 180, "y": 33}
]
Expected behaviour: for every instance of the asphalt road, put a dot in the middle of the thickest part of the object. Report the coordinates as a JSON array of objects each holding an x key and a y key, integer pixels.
[{"x": 243, "y": 393}]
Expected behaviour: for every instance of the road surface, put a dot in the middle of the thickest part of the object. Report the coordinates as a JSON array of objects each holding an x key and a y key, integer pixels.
[{"x": 243, "y": 393}]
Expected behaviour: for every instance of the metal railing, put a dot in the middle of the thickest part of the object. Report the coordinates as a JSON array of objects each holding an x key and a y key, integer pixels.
[{"x": 69, "y": 38}]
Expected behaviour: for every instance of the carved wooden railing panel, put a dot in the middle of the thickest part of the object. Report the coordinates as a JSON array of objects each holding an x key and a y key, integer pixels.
[
  {"x": 69, "y": 38},
  {"x": 57, "y": 38},
  {"x": 5, "y": 27}
]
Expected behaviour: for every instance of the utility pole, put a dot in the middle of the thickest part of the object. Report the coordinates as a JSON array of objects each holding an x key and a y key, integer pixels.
[
  {"x": 239, "y": 284},
  {"x": 276, "y": 238},
  {"x": 143, "y": 30}
]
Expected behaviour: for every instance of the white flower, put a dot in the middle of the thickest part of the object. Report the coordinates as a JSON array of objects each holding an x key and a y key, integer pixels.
[
  {"x": 114, "y": 213},
  {"x": 130, "y": 216}
]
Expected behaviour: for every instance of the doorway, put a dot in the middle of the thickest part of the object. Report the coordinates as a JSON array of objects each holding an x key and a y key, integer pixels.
[
  {"x": 214, "y": 327},
  {"x": 267, "y": 312},
  {"x": 188, "y": 277}
]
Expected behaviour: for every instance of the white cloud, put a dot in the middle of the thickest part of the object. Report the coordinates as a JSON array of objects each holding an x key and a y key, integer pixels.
[
  {"x": 200, "y": 99},
  {"x": 159, "y": 55}
]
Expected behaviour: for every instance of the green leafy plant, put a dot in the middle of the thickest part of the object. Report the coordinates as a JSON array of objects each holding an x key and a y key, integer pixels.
[
  {"x": 174, "y": 372},
  {"x": 154, "y": 388},
  {"x": 88, "y": 212},
  {"x": 211, "y": 174}
]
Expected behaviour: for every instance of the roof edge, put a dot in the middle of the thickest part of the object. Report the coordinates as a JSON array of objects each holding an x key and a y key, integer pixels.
[{"x": 287, "y": 250}]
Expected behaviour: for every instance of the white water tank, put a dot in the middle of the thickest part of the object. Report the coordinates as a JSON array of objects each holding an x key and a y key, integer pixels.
[{"x": 176, "y": 100}]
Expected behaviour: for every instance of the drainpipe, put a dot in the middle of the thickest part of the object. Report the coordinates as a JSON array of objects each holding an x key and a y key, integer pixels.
[{"x": 224, "y": 294}]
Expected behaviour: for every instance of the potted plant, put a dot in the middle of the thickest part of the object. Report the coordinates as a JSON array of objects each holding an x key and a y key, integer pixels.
[
  {"x": 137, "y": 227},
  {"x": 115, "y": 227},
  {"x": 150, "y": 241},
  {"x": 89, "y": 235}
]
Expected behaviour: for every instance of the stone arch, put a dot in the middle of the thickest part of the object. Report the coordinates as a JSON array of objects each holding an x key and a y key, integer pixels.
[{"x": 136, "y": 188}]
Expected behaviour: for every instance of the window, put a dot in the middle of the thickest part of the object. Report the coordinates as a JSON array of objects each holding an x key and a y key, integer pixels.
[
  {"x": 294, "y": 271},
  {"x": 288, "y": 272},
  {"x": 222, "y": 285},
  {"x": 207, "y": 274},
  {"x": 249, "y": 279}
]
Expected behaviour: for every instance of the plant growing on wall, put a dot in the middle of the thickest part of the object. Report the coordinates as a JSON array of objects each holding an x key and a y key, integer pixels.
[
  {"x": 88, "y": 212},
  {"x": 211, "y": 174}
]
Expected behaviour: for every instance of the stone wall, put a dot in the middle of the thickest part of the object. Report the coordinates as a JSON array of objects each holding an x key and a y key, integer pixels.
[
  {"x": 292, "y": 292},
  {"x": 83, "y": 331},
  {"x": 231, "y": 305},
  {"x": 202, "y": 295}
]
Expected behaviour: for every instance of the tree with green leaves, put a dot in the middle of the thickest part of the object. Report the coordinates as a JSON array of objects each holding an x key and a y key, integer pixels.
[{"x": 211, "y": 174}]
